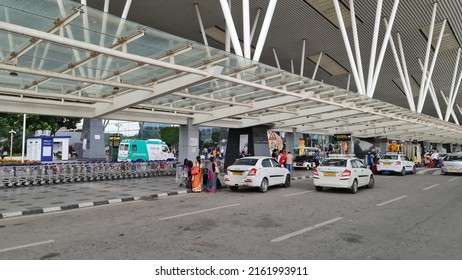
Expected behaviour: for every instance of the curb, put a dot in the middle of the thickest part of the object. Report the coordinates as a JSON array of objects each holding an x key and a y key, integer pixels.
[{"x": 89, "y": 204}]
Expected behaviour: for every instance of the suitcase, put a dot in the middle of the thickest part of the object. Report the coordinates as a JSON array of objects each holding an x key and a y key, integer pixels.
[{"x": 431, "y": 164}]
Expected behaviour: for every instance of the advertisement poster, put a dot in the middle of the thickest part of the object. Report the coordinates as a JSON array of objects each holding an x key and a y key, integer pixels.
[{"x": 244, "y": 143}]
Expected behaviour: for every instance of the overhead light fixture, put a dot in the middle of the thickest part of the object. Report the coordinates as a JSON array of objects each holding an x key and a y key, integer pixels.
[
  {"x": 448, "y": 42},
  {"x": 326, "y": 9},
  {"x": 116, "y": 88},
  {"x": 328, "y": 64},
  {"x": 13, "y": 73}
]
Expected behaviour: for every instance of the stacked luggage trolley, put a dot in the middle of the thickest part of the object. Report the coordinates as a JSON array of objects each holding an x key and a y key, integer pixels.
[{"x": 57, "y": 173}]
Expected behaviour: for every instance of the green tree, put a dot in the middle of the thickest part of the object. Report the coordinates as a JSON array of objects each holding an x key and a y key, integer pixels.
[
  {"x": 216, "y": 137},
  {"x": 14, "y": 122},
  {"x": 170, "y": 135}
]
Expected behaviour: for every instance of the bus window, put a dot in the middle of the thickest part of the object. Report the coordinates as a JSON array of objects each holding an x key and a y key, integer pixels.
[{"x": 134, "y": 148}]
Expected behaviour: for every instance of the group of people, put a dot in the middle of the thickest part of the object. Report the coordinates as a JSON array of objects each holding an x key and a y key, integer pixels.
[
  {"x": 195, "y": 172},
  {"x": 285, "y": 159}
]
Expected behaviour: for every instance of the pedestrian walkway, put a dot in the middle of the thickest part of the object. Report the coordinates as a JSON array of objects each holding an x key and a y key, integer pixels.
[{"x": 19, "y": 201}]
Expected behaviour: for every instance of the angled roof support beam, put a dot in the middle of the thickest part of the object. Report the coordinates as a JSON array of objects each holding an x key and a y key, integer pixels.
[
  {"x": 406, "y": 73},
  {"x": 127, "y": 6},
  {"x": 317, "y": 66},
  {"x": 246, "y": 28},
  {"x": 453, "y": 93},
  {"x": 356, "y": 44},
  {"x": 276, "y": 58},
  {"x": 231, "y": 27},
  {"x": 264, "y": 29},
  {"x": 165, "y": 88},
  {"x": 432, "y": 66},
  {"x": 378, "y": 67},
  {"x": 302, "y": 62},
  {"x": 404, "y": 79},
  {"x": 451, "y": 110},
  {"x": 255, "y": 24},
  {"x": 201, "y": 25},
  {"x": 348, "y": 82},
  {"x": 375, "y": 38},
  {"x": 432, "y": 94},
  {"x": 346, "y": 41}
]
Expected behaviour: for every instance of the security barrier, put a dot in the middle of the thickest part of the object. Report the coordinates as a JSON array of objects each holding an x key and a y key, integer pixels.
[{"x": 56, "y": 173}]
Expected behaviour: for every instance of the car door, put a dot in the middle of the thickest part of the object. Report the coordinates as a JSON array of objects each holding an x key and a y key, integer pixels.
[
  {"x": 361, "y": 172},
  {"x": 407, "y": 163},
  {"x": 277, "y": 173}
]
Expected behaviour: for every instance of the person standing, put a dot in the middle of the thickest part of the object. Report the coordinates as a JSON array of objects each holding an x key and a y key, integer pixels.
[
  {"x": 370, "y": 160},
  {"x": 197, "y": 175},
  {"x": 316, "y": 158},
  {"x": 289, "y": 161},
  {"x": 213, "y": 173}
]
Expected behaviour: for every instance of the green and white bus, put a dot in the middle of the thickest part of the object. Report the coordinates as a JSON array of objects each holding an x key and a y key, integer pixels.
[{"x": 144, "y": 150}]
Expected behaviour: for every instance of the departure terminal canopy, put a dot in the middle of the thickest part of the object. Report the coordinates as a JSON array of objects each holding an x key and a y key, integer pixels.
[{"x": 63, "y": 58}]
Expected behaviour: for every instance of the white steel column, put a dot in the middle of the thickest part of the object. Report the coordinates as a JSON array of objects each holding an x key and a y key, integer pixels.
[
  {"x": 292, "y": 68},
  {"x": 375, "y": 38},
  {"x": 302, "y": 62},
  {"x": 427, "y": 57},
  {"x": 231, "y": 27},
  {"x": 378, "y": 67},
  {"x": 23, "y": 137},
  {"x": 348, "y": 82},
  {"x": 432, "y": 66},
  {"x": 317, "y": 65},
  {"x": 452, "y": 93},
  {"x": 276, "y": 58},
  {"x": 264, "y": 29},
  {"x": 246, "y": 27},
  {"x": 227, "y": 37},
  {"x": 354, "y": 69},
  {"x": 356, "y": 44}
]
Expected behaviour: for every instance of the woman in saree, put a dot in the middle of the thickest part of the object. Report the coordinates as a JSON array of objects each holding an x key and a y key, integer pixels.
[
  {"x": 197, "y": 176},
  {"x": 212, "y": 168}
]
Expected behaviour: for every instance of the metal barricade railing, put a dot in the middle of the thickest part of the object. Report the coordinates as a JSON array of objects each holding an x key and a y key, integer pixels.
[{"x": 58, "y": 173}]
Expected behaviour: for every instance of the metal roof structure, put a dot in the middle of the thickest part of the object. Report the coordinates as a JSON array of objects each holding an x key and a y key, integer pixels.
[{"x": 64, "y": 58}]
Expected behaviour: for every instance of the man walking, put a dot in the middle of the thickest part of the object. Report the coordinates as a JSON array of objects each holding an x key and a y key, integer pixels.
[{"x": 289, "y": 161}]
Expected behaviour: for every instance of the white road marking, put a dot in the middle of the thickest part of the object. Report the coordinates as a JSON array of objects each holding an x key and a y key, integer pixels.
[
  {"x": 86, "y": 204},
  {"x": 12, "y": 214},
  {"x": 437, "y": 172},
  {"x": 298, "y": 232},
  {"x": 197, "y": 212},
  {"x": 115, "y": 200},
  {"x": 423, "y": 171},
  {"x": 389, "y": 201},
  {"x": 51, "y": 209},
  {"x": 297, "y": 193},
  {"x": 453, "y": 179},
  {"x": 25, "y": 246},
  {"x": 432, "y": 186}
]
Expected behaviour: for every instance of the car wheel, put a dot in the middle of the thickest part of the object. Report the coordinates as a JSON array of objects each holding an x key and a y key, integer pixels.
[
  {"x": 319, "y": 189},
  {"x": 403, "y": 172},
  {"x": 414, "y": 171},
  {"x": 234, "y": 189},
  {"x": 264, "y": 185},
  {"x": 443, "y": 173},
  {"x": 354, "y": 186},
  {"x": 287, "y": 182},
  {"x": 371, "y": 182}
]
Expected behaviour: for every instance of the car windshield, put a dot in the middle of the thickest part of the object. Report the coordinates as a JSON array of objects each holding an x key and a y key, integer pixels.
[
  {"x": 246, "y": 161},
  {"x": 394, "y": 157},
  {"x": 334, "y": 162},
  {"x": 453, "y": 158},
  {"x": 300, "y": 158}
]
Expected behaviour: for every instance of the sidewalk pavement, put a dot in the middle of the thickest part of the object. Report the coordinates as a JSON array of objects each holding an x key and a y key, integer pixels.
[{"x": 19, "y": 201}]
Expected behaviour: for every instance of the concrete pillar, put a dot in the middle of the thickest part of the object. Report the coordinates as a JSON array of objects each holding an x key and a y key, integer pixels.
[
  {"x": 188, "y": 142},
  {"x": 93, "y": 147},
  {"x": 292, "y": 140}
]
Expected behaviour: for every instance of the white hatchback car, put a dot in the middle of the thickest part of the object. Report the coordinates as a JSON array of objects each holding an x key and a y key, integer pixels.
[
  {"x": 342, "y": 172},
  {"x": 395, "y": 163},
  {"x": 256, "y": 172}
]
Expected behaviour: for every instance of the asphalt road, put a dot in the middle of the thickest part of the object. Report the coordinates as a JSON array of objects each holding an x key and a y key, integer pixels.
[{"x": 413, "y": 217}]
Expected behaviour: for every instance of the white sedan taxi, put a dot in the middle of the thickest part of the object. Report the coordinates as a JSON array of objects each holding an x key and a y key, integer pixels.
[
  {"x": 395, "y": 163},
  {"x": 256, "y": 172},
  {"x": 344, "y": 172}
]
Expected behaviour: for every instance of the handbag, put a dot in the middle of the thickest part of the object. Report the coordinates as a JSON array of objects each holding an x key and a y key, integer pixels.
[{"x": 195, "y": 170}]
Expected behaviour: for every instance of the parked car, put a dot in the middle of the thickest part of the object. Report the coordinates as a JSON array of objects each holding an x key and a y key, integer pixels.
[
  {"x": 452, "y": 163},
  {"x": 342, "y": 172},
  {"x": 395, "y": 163},
  {"x": 304, "y": 162},
  {"x": 256, "y": 172}
]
